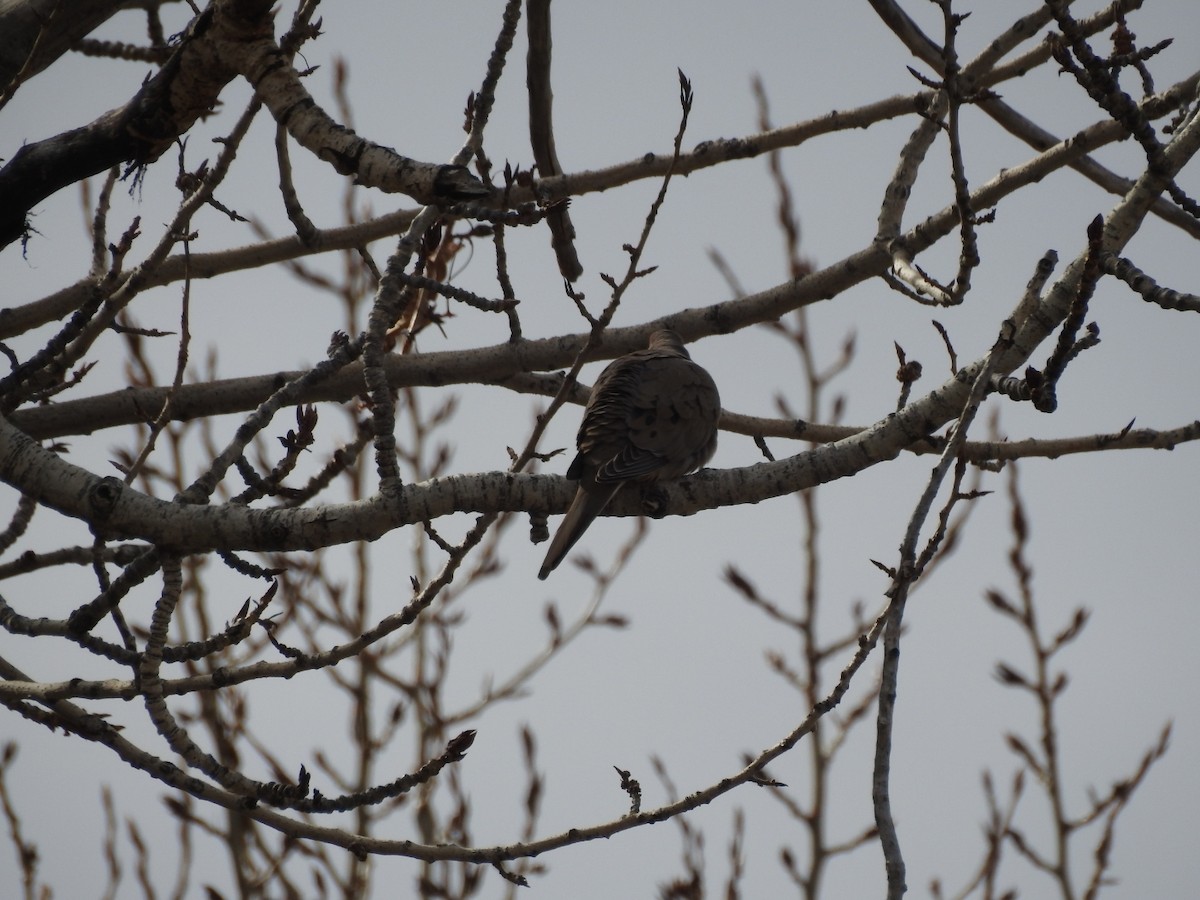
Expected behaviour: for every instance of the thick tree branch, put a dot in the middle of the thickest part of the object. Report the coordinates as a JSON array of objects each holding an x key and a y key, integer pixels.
[
  {"x": 266, "y": 66},
  {"x": 137, "y": 133},
  {"x": 35, "y": 33},
  {"x": 230, "y": 37}
]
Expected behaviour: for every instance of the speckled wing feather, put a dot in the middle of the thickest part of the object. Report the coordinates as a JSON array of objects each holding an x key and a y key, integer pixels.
[{"x": 652, "y": 415}]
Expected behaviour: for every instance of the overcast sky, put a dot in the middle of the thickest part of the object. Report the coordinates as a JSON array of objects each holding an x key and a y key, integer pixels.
[{"x": 688, "y": 682}]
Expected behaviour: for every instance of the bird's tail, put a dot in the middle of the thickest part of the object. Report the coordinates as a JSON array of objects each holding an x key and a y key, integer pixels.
[{"x": 584, "y": 509}]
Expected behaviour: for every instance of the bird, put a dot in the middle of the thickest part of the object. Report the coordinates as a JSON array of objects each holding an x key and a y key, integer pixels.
[{"x": 652, "y": 416}]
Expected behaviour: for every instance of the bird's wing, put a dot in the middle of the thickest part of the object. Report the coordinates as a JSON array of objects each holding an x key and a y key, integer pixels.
[{"x": 669, "y": 421}]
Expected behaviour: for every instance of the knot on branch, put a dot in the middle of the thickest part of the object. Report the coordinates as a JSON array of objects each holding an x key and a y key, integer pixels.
[
  {"x": 103, "y": 497},
  {"x": 457, "y": 183}
]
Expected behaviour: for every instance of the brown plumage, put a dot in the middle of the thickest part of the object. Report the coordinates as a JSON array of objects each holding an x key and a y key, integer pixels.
[{"x": 652, "y": 416}]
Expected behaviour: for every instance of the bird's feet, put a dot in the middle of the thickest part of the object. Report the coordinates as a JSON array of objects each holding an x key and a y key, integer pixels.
[{"x": 655, "y": 501}]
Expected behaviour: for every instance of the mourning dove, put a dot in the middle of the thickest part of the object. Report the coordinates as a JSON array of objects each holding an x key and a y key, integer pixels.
[{"x": 652, "y": 416}]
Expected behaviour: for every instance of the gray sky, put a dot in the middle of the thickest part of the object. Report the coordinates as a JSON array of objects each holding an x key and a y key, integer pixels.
[{"x": 687, "y": 682}]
